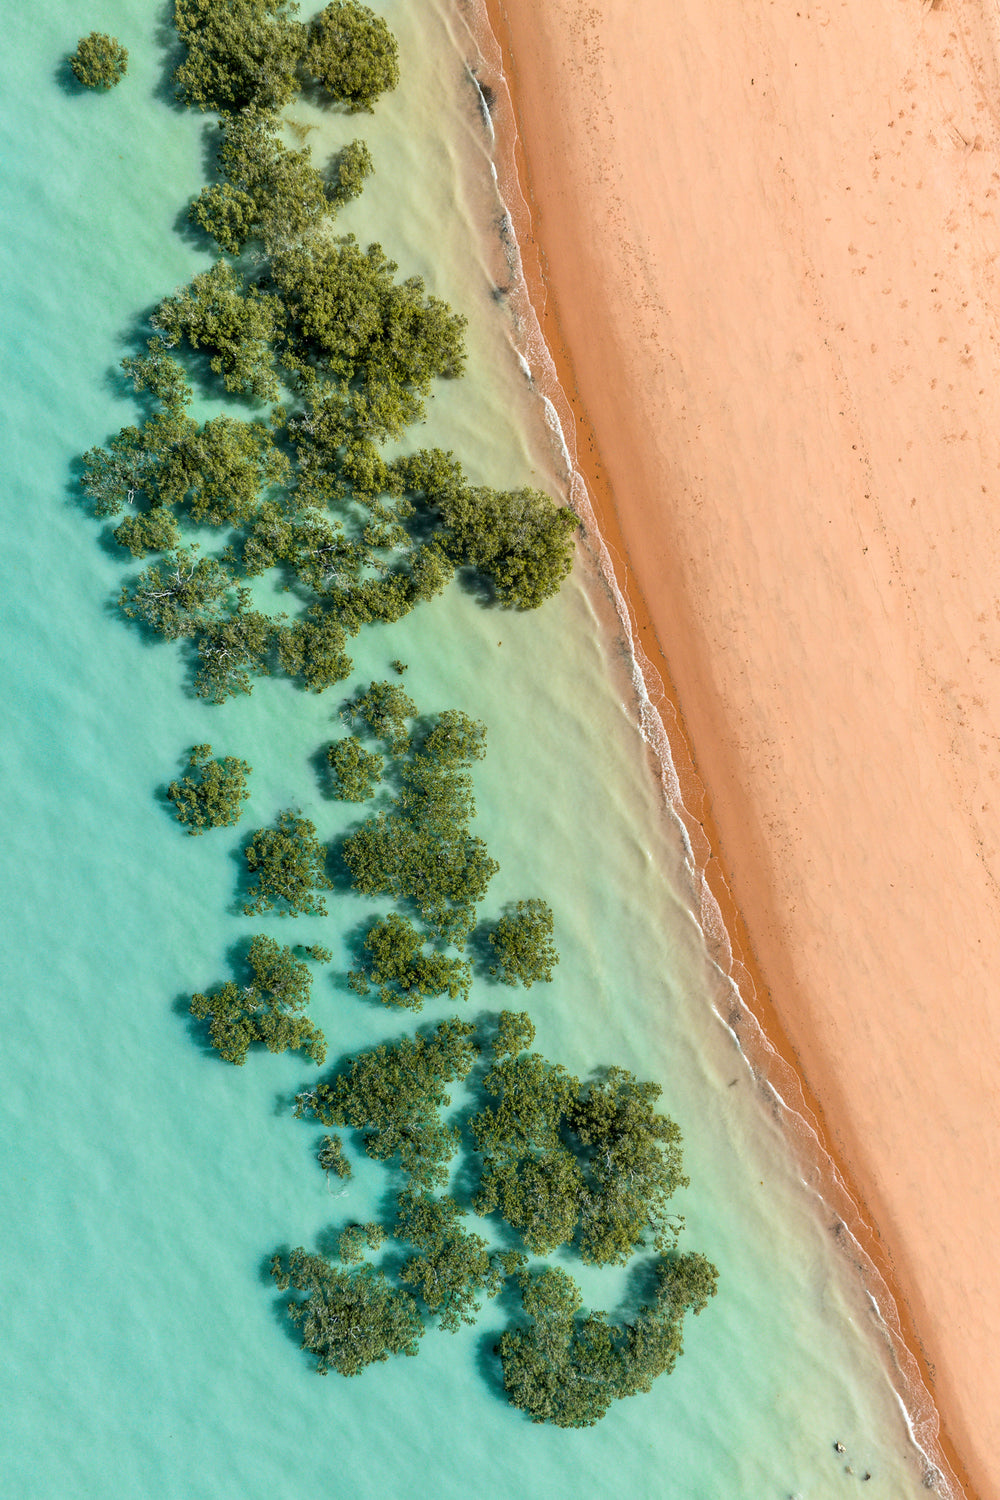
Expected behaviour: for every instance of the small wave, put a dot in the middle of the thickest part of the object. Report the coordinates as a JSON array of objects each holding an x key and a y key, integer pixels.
[
  {"x": 484, "y": 105},
  {"x": 653, "y": 709}
]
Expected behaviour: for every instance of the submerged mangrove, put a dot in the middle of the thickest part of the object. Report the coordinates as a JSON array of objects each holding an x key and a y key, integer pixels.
[{"x": 330, "y": 356}]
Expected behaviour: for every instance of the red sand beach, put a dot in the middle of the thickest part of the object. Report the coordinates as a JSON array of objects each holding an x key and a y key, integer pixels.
[{"x": 767, "y": 247}]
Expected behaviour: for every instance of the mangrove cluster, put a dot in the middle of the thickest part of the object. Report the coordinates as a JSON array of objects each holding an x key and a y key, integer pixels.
[{"x": 323, "y": 355}]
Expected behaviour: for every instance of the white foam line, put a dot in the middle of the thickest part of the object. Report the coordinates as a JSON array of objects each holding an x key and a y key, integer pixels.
[
  {"x": 536, "y": 360},
  {"x": 484, "y": 108}
]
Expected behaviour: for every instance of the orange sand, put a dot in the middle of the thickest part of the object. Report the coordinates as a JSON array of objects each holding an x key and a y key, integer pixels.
[{"x": 769, "y": 241}]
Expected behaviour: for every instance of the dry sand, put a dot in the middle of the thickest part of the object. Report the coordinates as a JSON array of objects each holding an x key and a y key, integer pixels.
[{"x": 769, "y": 244}]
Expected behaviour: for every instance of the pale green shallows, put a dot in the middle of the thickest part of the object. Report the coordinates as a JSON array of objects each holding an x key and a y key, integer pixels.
[{"x": 145, "y": 1183}]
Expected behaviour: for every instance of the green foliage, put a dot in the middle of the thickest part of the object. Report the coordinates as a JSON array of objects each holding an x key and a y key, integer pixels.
[
  {"x": 289, "y": 863},
  {"x": 312, "y": 648},
  {"x": 634, "y": 1166},
  {"x": 453, "y": 1268},
  {"x": 436, "y": 797},
  {"x": 240, "y": 53},
  {"x": 568, "y": 1369},
  {"x": 443, "y": 876},
  {"x": 561, "y": 1161},
  {"x": 160, "y": 374},
  {"x": 356, "y": 1239},
  {"x": 352, "y": 53},
  {"x": 316, "y": 551},
  {"x": 213, "y": 792},
  {"x": 455, "y": 740},
  {"x": 423, "y": 851},
  {"x": 402, "y": 973},
  {"x": 559, "y": 1368},
  {"x": 129, "y": 468},
  {"x": 515, "y": 1033},
  {"x": 269, "y": 193},
  {"x": 331, "y": 1157},
  {"x": 385, "y": 708},
  {"x": 180, "y": 595},
  {"x": 154, "y": 530},
  {"x": 522, "y": 942},
  {"x": 117, "y": 475},
  {"x": 236, "y": 325},
  {"x": 521, "y": 541},
  {"x": 231, "y": 652},
  {"x": 100, "y": 61},
  {"x": 351, "y": 167},
  {"x": 349, "y": 1319},
  {"x": 266, "y": 1009},
  {"x": 394, "y": 1094},
  {"x": 356, "y": 771},
  {"x": 350, "y": 325},
  {"x": 219, "y": 470}
]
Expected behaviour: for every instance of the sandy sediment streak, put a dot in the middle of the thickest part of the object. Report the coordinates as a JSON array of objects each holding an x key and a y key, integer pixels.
[{"x": 766, "y": 245}]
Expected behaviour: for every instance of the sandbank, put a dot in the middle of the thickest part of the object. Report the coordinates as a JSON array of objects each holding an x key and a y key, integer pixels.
[{"x": 766, "y": 247}]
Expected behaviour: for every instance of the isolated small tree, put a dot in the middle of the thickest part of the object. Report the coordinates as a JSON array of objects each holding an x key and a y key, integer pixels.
[
  {"x": 289, "y": 863},
  {"x": 100, "y": 61},
  {"x": 212, "y": 794},
  {"x": 522, "y": 942},
  {"x": 352, "y": 53},
  {"x": 267, "y": 1009},
  {"x": 331, "y": 1157}
]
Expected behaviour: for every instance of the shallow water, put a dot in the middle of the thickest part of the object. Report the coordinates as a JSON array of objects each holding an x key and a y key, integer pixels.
[{"x": 146, "y": 1183}]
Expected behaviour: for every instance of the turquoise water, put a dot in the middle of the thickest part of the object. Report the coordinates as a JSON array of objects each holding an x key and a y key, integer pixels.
[{"x": 146, "y": 1183}]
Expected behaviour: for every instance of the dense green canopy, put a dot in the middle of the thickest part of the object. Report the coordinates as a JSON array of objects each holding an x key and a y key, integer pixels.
[
  {"x": 100, "y": 61},
  {"x": 453, "y": 1269},
  {"x": 395, "y": 1094},
  {"x": 348, "y": 1319},
  {"x": 422, "y": 851},
  {"x": 563, "y": 1161},
  {"x": 180, "y": 595},
  {"x": 386, "y": 709},
  {"x": 152, "y": 531},
  {"x": 268, "y": 192},
  {"x": 312, "y": 648},
  {"x": 241, "y": 54},
  {"x": 289, "y": 865},
  {"x": 522, "y": 942},
  {"x": 218, "y": 471},
  {"x": 236, "y": 324},
  {"x": 266, "y": 1008},
  {"x": 402, "y": 972},
  {"x": 567, "y": 1368},
  {"x": 352, "y": 53},
  {"x": 356, "y": 771},
  {"x": 212, "y": 794},
  {"x": 350, "y": 324}
]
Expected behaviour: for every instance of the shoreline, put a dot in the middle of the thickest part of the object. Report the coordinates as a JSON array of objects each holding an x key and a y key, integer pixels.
[{"x": 773, "y": 1056}]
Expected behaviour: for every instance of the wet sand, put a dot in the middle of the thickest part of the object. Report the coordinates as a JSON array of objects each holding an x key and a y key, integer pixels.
[{"x": 768, "y": 251}]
